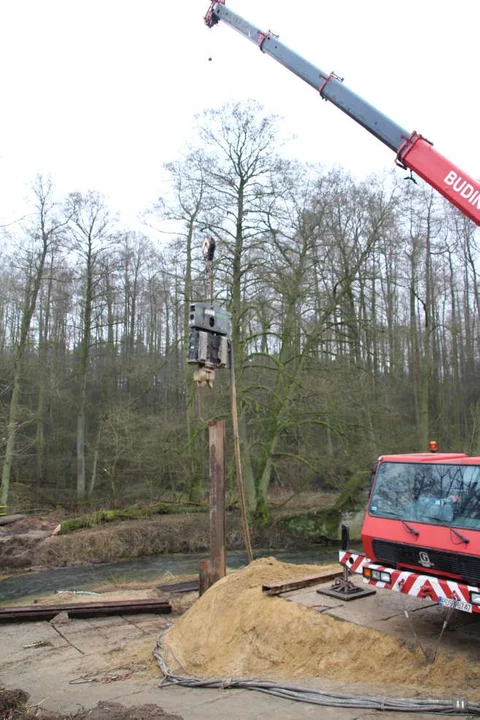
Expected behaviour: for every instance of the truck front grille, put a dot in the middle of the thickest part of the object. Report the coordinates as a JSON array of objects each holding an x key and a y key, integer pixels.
[{"x": 431, "y": 561}]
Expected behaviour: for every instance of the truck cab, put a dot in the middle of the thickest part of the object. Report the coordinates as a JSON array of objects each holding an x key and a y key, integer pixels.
[{"x": 423, "y": 515}]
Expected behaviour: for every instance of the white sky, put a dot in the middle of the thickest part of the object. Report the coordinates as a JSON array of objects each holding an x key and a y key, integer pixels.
[{"x": 101, "y": 93}]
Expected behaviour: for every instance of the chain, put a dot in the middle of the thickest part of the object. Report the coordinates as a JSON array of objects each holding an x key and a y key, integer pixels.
[
  {"x": 417, "y": 639},
  {"x": 444, "y": 627},
  {"x": 430, "y": 657}
]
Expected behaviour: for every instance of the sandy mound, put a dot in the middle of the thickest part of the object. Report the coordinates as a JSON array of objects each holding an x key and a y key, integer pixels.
[{"x": 235, "y": 630}]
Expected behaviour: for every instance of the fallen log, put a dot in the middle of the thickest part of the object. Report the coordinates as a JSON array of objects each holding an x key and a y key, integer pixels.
[
  {"x": 84, "y": 610},
  {"x": 9, "y": 519},
  {"x": 299, "y": 583}
]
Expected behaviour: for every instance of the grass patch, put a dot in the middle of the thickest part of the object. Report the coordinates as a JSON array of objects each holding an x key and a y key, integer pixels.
[
  {"x": 135, "y": 512},
  {"x": 315, "y": 525},
  {"x": 324, "y": 523}
]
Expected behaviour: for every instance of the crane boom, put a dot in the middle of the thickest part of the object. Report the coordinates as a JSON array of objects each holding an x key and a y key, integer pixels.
[{"x": 412, "y": 150}]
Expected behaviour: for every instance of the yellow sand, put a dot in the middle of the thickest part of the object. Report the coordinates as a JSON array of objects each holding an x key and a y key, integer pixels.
[{"x": 235, "y": 630}]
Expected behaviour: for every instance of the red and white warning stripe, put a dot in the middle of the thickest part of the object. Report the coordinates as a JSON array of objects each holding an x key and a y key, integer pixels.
[
  {"x": 444, "y": 592},
  {"x": 353, "y": 561}
]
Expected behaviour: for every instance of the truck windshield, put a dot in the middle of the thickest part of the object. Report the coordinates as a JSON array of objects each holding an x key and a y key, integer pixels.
[{"x": 435, "y": 494}]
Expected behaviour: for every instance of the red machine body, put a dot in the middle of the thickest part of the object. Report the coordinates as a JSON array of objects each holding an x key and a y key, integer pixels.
[
  {"x": 456, "y": 186},
  {"x": 421, "y": 532},
  {"x": 431, "y": 536}
]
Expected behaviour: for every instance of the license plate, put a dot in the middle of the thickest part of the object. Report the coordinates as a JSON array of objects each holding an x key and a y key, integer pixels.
[{"x": 457, "y": 604}]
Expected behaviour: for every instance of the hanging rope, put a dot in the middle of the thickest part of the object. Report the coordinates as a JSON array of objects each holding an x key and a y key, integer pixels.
[{"x": 208, "y": 250}]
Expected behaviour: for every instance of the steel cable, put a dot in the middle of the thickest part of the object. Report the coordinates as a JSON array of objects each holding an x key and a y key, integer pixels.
[{"x": 317, "y": 697}]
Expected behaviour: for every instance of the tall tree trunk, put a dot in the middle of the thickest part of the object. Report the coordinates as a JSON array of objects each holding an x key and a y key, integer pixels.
[
  {"x": 89, "y": 223},
  {"x": 12, "y": 426},
  {"x": 426, "y": 362},
  {"x": 83, "y": 375},
  {"x": 238, "y": 351},
  {"x": 11, "y": 435},
  {"x": 81, "y": 447},
  {"x": 457, "y": 388},
  {"x": 194, "y": 454},
  {"x": 43, "y": 378},
  {"x": 81, "y": 417},
  {"x": 414, "y": 354}
]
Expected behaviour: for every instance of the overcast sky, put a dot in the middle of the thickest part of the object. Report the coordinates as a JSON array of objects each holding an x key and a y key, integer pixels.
[{"x": 101, "y": 93}]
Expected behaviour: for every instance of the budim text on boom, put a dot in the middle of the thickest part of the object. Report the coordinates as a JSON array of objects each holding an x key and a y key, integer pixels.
[{"x": 463, "y": 188}]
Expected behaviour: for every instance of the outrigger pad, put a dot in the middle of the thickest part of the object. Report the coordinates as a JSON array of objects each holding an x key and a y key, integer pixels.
[{"x": 346, "y": 590}]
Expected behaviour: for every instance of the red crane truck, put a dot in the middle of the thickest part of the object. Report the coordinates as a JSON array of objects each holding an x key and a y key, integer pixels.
[
  {"x": 421, "y": 533},
  {"x": 412, "y": 150}
]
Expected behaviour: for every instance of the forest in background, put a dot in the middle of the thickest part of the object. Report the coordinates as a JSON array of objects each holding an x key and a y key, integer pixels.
[{"x": 355, "y": 327}]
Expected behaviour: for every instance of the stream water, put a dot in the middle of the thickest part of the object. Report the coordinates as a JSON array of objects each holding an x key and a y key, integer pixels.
[{"x": 159, "y": 567}]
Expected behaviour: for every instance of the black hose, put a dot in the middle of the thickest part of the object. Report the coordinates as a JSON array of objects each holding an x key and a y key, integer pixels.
[{"x": 318, "y": 697}]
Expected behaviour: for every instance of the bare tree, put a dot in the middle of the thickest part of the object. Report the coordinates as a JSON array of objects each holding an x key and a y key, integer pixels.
[
  {"x": 89, "y": 224},
  {"x": 42, "y": 235},
  {"x": 242, "y": 144}
]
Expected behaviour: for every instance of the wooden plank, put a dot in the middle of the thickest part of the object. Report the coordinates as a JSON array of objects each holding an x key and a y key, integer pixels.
[
  {"x": 180, "y": 587},
  {"x": 216, "y": 438},
  {"x": 84, "y": 610},
  {"x": 300, "y": 582}
]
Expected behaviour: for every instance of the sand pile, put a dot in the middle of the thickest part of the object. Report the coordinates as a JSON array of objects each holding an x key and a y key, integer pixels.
[{"x": 234, "y": 630}]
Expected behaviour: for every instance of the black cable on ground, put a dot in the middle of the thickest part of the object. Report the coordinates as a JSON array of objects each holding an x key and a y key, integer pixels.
[{"x": 435, "y": 706}]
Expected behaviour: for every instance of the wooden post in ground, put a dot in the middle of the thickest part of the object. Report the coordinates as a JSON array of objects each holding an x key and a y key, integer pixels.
[
  {"x": 215, "y": 568},
  {"x": 205, "y": 575},
  {"x": 216, "y": 441}
]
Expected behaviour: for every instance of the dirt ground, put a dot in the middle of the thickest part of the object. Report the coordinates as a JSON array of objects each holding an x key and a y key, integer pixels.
[
  {"x": 236, "y": 630},
  {"x": 14, "y": 705},
  {"x": 104, "y": 668}
]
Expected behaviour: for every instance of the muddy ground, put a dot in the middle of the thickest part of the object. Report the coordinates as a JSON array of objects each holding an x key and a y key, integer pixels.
[
  {"x": 104, "y": 668},
  {"x": 14, "y": 705}
]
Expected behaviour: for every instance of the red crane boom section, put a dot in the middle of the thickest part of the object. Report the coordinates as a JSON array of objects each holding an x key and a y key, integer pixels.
[
  {"x": 449, "y": 180},
  {"x": 412, "y": 150}
]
